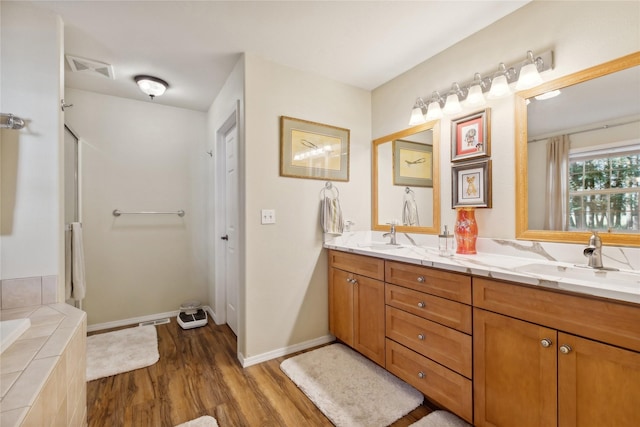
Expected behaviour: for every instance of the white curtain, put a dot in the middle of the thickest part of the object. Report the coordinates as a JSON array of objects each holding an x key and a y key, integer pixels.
[{"x": 557, "y": 187}]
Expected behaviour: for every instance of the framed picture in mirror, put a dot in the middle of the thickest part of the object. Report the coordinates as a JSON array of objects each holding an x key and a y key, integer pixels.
[
  {"x": 471, "y": 136},
  {"x": 471, "y": 184},
  {"x": 412, "y": 164},
  {"x": 313, "y": 150}
]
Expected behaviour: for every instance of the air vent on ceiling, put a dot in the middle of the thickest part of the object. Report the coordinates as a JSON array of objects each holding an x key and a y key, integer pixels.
[{"x": 90, "y": 66}]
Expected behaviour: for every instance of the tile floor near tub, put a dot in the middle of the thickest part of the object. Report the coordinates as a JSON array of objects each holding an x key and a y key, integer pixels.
[{"x": 42, "y": 374}]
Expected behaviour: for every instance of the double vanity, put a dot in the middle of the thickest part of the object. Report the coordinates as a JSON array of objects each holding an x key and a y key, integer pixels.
[{"x": 497, "y": 340}]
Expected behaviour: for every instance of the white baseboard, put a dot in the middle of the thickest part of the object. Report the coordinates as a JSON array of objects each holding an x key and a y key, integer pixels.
[
  {"x": 212, "y": 314},
  {"x": 136, "y": 320},
  {"x": 245, "y": 362},
  {"x": 253, "y": 360}
]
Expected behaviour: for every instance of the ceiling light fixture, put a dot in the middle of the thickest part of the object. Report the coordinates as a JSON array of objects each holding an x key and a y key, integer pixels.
[
  {"x": 525, "y": 75},
  {"x": 547, "y": 95},
  {"x": 151, "y": 86}
]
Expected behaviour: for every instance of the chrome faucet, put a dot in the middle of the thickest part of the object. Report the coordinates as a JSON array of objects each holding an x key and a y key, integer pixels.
[
  {"x": 391, "y": 234},
  {"x": 594, "y": 251}
]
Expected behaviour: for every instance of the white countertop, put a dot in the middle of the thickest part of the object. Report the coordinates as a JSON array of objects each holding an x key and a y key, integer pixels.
[{"x": 621, "y": 285}]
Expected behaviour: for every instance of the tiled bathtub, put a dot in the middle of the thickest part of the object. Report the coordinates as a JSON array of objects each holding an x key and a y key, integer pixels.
[{"x": 43, "y": 373}]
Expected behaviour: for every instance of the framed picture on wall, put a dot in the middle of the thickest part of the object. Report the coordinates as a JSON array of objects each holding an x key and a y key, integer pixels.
[
  {"x": 313, "y": 150},
  {"x": 471, "y": 184},
  {"x": 471, "y": 136},
  {"x": 412, "y": 164}
]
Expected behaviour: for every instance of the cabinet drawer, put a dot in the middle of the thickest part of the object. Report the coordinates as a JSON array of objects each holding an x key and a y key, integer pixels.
[
  {"x": 446, "y": 346},
  {"x": 439, "y": 384},
  {"x": 452, "y": 286},
  {"x": 606, "y": 321},
  {"x": 441, "y": 310},
  {"x": 359, "y": 264}
]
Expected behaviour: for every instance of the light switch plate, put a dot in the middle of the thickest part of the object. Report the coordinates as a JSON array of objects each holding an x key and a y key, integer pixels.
[{"x": 268, "y": 216}]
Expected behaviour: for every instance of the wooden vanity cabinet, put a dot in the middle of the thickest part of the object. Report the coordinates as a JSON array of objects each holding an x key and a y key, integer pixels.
[
  {"x": 428, "y": 329},
  {"x": 356, "y": 303},
  {"x": 544, "y": 358}
]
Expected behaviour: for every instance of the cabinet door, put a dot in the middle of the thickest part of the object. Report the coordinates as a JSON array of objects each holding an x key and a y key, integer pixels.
[
  {"x": 368, "y": 325},
  {"x": 599, "y": 385},
  {"x": 515, "y": 377},
  {"x": 341, "y": 305}
]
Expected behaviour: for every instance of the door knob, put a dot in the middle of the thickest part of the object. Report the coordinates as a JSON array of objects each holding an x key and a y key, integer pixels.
[{"x": 225, "y": 237}]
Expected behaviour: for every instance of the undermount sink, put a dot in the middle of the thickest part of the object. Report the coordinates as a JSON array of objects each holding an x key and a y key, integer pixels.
[
  {"x": 589, "y": 276},
  {"x": 379, "y": 246}
]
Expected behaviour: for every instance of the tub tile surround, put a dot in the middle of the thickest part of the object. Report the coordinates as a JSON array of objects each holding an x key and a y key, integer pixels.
[
  {"x": 43, "y": 374},
  {"x": 28, "y": 291},
  {"x": 499, "y": 259}
]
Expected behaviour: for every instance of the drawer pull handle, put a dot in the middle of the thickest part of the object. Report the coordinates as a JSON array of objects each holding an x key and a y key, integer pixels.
[
  {"x": 565, "y": 349},
  {"x": 421, "y": 279},
  {"x": 421, "y": 375},
  {"x": 421, "y": 337},
  {"x": 421, "y": 304},
  {"x": 546, "y": 343}
]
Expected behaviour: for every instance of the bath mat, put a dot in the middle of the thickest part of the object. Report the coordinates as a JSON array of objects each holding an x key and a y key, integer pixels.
[
  {"x": 205, "y": 421},
  {"x": 120, "y": 351},
  {"x": 350, "y": 389},
  {"x": 441, "y": 419}
]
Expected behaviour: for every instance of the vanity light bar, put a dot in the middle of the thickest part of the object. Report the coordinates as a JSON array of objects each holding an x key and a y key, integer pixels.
[{"x": 507, "y": 74}]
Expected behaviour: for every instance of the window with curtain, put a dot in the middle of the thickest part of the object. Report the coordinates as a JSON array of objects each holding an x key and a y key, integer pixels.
[{"x": 604, "y": 188}]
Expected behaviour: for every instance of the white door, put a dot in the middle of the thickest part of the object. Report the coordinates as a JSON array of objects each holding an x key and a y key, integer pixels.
[{"x": 231, "y": 229}]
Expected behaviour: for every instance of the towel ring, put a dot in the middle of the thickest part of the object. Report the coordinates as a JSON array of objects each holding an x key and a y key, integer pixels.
[{"x": 330, "y": 187}]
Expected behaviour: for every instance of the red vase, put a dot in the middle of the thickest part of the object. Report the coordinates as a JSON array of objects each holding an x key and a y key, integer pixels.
[{"x": 466, "y": 231}]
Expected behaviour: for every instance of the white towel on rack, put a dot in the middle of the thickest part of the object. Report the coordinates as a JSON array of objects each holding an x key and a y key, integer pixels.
[
  {"x": 78, "y": 283},
  {"x": 331, "y": 216},
  {"x": 410, "y": 212},
  {"x": 67, "y": 262}
]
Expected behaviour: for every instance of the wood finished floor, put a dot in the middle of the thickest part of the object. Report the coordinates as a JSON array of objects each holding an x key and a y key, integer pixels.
[{"x": 198, "y": 374}]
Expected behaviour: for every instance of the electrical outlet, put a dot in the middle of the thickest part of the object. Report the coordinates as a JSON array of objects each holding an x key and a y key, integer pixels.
[{"x": 268, "y": 216}]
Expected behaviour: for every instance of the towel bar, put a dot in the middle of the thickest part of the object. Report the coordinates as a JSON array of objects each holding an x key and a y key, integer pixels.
[{"x": 118, "y": 212}]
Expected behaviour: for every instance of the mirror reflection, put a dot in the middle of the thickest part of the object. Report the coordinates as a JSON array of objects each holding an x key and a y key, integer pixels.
[
  {"x": 405, "y": 181},
  {"x": 580, "y": 139}
]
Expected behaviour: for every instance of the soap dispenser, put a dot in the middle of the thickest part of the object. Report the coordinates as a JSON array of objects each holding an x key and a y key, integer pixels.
[{"x": 446, "y": 243}]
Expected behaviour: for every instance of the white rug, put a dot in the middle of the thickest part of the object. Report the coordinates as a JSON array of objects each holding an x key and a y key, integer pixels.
[
  {"x": 120, "y": 351},
  {"x": 350, "y": 389},
  {"x": 204, "y": 421},
  {"x": 441, "y": 419}
]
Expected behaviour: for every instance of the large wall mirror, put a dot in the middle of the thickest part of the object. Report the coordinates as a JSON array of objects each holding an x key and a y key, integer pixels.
[
  {"x": 406, "y": 180},
  {"x": 578, "y": 156}
]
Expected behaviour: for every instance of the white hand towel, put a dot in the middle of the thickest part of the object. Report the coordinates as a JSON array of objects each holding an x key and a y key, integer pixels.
[
  {"x": 331, "y": 216},
  {"x": 77, "y": 253},
  {"x": 410, "y": 212}
]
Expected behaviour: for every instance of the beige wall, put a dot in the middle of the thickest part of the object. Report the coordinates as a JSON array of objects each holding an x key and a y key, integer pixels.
[
  {"x": 32, "y": 164},
  {"x": 581, "y": 34},
  {"x": 230, "y": 98},
  {"x": 141, "y": 156},
  {"x": 285, "y": 301}
]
